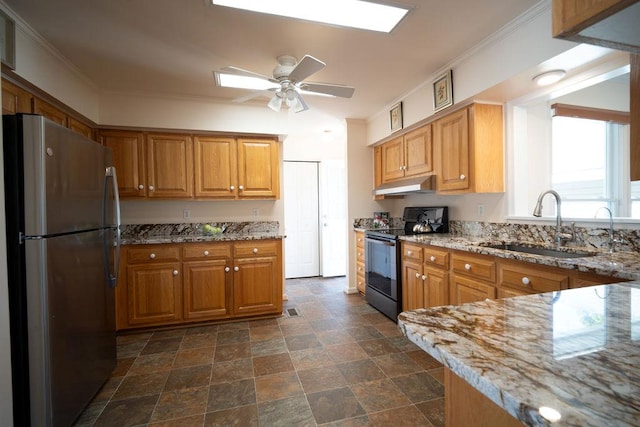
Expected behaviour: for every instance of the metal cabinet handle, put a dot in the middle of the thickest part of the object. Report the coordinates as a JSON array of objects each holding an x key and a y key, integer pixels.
[
  {"x": 233, "y": 187},
  {"x": 409, "y": 253},
  {"x": 175, "y": 272},
  {"x": 152, "y": 255},
  {"x": 255, "y": 250},
  {"x": 140, "y": 187},
  {"x": 467, "y": 266},
  {"x": 227, "y": 269},
  {"x": 151, "y": 188},
  {"x": 206, "y": 253},
  {"x": 433, "y": 259},
  {"x": 236, "y": 268},
  {"x": 463, "y": 177},
  {"x": 525, "y": 280}
]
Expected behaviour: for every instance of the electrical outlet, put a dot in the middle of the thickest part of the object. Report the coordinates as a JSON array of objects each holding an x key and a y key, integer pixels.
[
  {"x": 186, "y": 214},
  {"x": 480, "y": 210},
  {"x": 255, "y": 212}
]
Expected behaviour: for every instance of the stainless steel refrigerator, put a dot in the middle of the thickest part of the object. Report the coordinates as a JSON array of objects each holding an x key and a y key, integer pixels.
[{"x": 62, "y": 210}]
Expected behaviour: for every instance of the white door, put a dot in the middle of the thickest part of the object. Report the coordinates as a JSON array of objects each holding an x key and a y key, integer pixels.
[
  {"x": 333, "y": 218},
  {"x": 302, "y": 255}
]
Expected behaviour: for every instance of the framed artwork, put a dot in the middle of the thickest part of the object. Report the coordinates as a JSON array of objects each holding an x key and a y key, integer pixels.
[
  {"x": 443, "y": 92},
  {"x": 395, "y": 117},
  {"x": 7, "y": 40}
]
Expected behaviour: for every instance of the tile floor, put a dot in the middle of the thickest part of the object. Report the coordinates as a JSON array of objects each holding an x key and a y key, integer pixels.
[{"x": 338, "y": 363}]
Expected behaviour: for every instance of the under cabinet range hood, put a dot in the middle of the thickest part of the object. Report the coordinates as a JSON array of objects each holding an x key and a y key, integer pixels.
[{"x": 423, "y": 184}]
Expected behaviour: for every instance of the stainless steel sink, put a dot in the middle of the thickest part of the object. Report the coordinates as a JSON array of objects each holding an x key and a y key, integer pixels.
[{"x": 540, "y": 250}]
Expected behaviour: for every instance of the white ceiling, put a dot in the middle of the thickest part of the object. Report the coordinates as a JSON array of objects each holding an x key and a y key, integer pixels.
[{"x": 172, "y": 46}]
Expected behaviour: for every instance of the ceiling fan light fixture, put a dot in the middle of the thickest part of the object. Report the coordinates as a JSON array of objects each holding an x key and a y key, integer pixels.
[
  {"x": 359, "y": 14},
  {"x": 276, "y": 102},
  {"x": 549, "y": 77}
]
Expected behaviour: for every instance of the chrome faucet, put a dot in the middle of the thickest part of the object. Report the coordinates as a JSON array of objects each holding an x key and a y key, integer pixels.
[
  {"x": 537, "y": 211},
  {"x": 611, "y": 240}
]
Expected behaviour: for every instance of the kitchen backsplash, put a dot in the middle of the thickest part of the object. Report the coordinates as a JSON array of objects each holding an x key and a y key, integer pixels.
[{"x": 192, "y": 229}]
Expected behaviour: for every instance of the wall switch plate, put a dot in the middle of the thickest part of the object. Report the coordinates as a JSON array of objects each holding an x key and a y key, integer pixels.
[
  {"x": 186, "y": 214},
  {"x": 255, "y": 212}
]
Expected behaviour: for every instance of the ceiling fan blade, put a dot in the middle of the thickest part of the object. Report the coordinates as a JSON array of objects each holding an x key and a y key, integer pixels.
[
  {"x": 252, "y": 95},
  {"x": 329, "y": 89},
  {"x": 307, "y": 66},
  {"x": 300, "y": 105},
  {"x": 241, "y": 72}
]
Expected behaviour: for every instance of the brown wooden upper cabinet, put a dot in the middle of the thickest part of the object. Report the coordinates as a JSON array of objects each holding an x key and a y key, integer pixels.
[
  {"x": 407, "y": 156},
  {"x": 468, "y": 150},
  {"x": 609, "y": 23},
  {"x": 128, "y": 155},
  {"x": 15, "y": 99}
]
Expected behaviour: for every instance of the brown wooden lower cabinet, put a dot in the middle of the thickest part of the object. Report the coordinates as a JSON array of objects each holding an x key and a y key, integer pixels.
[
  {"x": 169, "y": 284},
  {"x": 465, "y": 289},
  {"x": 465, "y": 406}
]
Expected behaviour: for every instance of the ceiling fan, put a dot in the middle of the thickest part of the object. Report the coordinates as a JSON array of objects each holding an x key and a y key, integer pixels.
[{"x": 288, "y": 83}]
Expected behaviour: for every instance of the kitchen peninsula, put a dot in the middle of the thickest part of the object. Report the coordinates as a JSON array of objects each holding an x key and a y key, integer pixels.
[{"x": 565, "y": 358}]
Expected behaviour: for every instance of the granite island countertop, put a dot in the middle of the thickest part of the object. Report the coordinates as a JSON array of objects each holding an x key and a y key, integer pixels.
[
  {"x": 187, "y": 238},
  {"x": 575, "y": 353}
]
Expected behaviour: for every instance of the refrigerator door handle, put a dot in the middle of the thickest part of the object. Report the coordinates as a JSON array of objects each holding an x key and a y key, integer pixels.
[{"x": 111, "y": 174}]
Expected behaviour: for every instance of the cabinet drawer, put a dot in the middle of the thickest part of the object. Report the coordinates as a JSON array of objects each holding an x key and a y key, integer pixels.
[
  {"x": 519, "y": 276},
  {"x": 208, "y": 250},
  {"x": 153, "y": 253},
  {"x": 360, "y": 239},
  {"x": 255, "y": 248},
  {"x": 477, "y": 266},
  {"x": 435, "y": 257},
  {"x": 411, "y": 252}
]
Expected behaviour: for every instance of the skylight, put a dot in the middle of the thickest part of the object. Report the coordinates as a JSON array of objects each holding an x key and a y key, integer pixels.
[{"x": 346, "y": 13}]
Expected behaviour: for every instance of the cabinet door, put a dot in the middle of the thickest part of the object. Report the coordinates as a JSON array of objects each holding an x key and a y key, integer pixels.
[
  {"x": 49, "y": 111},
  {"x": 257, "y": 286},
  {"x": 436, "y": 287},
  {"x": 169, "y": 166},
  {"x": 451, "y": 148},
  {"x": 258, "y": 169},
  {"x": 216, "y": 167},
  {"x": 80, "y": 128},
  {"x": 412, "y": 286},
  {"x": 465, "y": 290},
  {"x": 207, "y": 286},
  {"x": 15, "y": 99},
  {"x": 393, "y": 160},
  {"x": 418, "y": 152},
  {"x": 154, "y": 293},
  {"x": 360, "y": 260},
  {"x": 129, "y": 159}
]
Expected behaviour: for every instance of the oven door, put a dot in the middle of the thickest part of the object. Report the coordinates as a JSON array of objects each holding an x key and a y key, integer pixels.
[{"x": 381, "y": 267}]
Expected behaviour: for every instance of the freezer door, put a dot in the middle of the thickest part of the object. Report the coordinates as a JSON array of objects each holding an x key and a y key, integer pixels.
[
  {"x": 63, "y": 178},
  {"x": 71, "y": 318}
]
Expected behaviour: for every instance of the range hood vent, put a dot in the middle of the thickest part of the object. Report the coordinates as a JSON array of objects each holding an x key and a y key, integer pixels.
[{"x": 406, "y": 186}]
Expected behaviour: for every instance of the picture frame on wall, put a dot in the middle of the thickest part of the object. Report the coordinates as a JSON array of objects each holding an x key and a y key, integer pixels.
[
  {"x": 7, "y": 40},
  {"x": 395, "y": 117},
  {"x": 443, "y": 91}
]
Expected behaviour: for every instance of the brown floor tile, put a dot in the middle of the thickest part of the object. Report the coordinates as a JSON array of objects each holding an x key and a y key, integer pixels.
[
  {"x": 264, "y": 322},
  {"x": 245, "y": 416},
  {"x": 290, "y": 411},
  {"x": 406, "y": 416},
  {"x": 419, "y": 387},
  {"x": 378, "y": 347},
  {"x": 364, "y": 333},
  {"x": 141, "y": 385},
  {"x": 152, "y": 363},
  {"x": 310, "y": 358},
  {"x": 397, "y": 364},
  {"x": 181, "y": 403},
  {"x": 269, "y": 347},
  {"x": 375, "y": 396},
  {"x": 360, "y": 371},
  {"x": 141, "y": 337},
  {"x": 224, "y": 353},
  {"x": 193, "y": 357},
  {"x": 351, "y": 320},
  {"x": 362, "y": 421},
  {"x": 161, "y": 345},
  {"x": 130, "y": 349},
  {"x": 177, "y": 333},
  {"x": 316, "y": 314},
  {"x": 301, "y": 342},
  {"x": 201, "y": 330},
  {"x": 320, "y": 379},
  {"x": 335, "y": 338},
  {"x": 233, "y": 370},
  {"x": 199, "y": 340},
  {"x": 325, "y": 325},
  {"x": 193, "y": 421},
  {"x": 403, "y": 344},
  {"x": 423, "y": 359},
  {"x": 438, "y": 374},
  {"x": 90, "y": 414},
  {"x": 127, "y": 412},
  {"x": 274, "y": 364},
  {"x": 264, "y": 333},
  {"x": 231, "y": 395},
  {"x": 300, "y": 327},
  {"x": 122, "y": 366},
  {"x": 388, "y": 329},
  {"x": 278, "y": 386},
  {"x": 195, "y": 376},
  {"x": 378, "y": 319},
  {"x": 434, "y": 411},
  {"x": 333, "y": 405},
  {"x": 346, "y": 352},
  {"x": 109, "y": 388},
  {"x": 232, "y": 336},
  {"x": 233, "y": 326}
]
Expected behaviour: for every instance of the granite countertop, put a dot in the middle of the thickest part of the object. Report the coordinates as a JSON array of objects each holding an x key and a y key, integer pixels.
[
  {"x": 573, "y": 353},
  {"x": 222, "y": 237},
  {"x": 623, "y": 264}
]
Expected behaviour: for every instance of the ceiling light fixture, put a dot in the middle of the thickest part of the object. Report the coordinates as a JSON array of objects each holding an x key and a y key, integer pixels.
[
  {"x": 549, "y": 77},
  {"x": 345, "y": 13}
]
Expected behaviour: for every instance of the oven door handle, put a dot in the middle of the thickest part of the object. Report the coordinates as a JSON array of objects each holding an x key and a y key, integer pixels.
[{"x": 380, "y": 242}]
